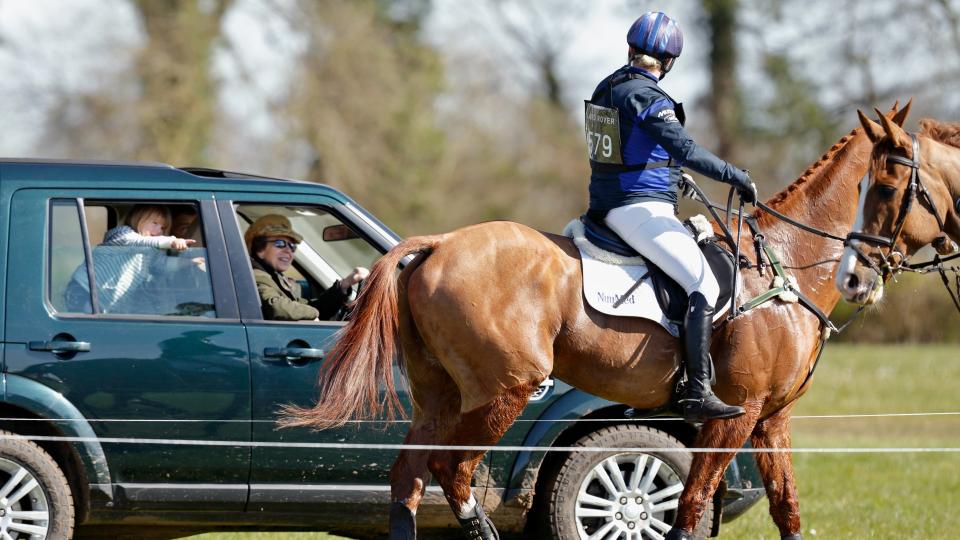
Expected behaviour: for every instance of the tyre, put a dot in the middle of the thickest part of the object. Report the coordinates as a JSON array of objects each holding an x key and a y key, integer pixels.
[
  {"x": 35, "y": 499},
  {"x": 625, "y": 495}
]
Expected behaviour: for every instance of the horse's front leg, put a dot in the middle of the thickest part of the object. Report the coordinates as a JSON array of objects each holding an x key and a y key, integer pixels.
[
  {"x": 776, "y": 469},
  {"x": 708, "y": 467}
]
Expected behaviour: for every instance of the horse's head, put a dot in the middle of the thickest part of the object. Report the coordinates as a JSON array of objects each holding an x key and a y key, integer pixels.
[{"x": 908, "y": 200}]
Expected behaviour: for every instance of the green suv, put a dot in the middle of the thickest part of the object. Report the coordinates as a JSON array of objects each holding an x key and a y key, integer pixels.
[{"x": 144, "y": 407}]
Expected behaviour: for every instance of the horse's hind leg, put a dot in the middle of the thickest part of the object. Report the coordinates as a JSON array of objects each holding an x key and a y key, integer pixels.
[
  {"x": 708, "y": 467},
  {"x": 453, "y": 469},
  {"x": 436, "y": 410},
  {"x": 407, "y": 477},
  {"x": 776, "y": 469}
]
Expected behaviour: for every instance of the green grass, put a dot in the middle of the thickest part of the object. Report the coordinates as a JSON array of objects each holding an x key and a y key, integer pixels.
[
  {"x": 876, "y": 496},
  {"x": 857, "y": 496}
]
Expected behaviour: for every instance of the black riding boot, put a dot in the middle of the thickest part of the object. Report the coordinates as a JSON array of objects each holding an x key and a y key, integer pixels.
[{"x": 699, "y": 403}]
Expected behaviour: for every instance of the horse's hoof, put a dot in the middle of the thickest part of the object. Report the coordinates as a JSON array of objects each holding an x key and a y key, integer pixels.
[
  {"x": 403, "y": 522},
  {"x": 792, "y": 537},
  {"x": 479, "y": 527},
  {"x": 678, "y": 534}
]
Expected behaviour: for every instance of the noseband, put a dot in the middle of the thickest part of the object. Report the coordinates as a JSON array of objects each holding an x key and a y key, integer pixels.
[{"x": 894, "y": 260}]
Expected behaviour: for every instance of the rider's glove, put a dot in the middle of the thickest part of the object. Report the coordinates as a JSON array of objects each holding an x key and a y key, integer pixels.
[
  {"x": 685, "y": 187},
  {"x": 746, "y": 188}
]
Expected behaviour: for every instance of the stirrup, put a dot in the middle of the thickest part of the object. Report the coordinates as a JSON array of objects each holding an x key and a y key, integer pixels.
[{"x": 705, "y": 408}]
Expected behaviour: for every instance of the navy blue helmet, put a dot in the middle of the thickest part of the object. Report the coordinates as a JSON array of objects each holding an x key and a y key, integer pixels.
[{"x": 657, "y": 35}]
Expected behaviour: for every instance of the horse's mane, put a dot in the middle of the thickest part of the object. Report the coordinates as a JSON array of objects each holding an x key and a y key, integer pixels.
[
  {"x": 778, "y": 200},
  {"x": 941, "y": 131}
]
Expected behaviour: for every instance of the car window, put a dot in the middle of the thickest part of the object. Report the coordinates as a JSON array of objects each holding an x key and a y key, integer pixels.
[
  {"x": 330, "y": 250},
  {"x": 126, "y": 251}
]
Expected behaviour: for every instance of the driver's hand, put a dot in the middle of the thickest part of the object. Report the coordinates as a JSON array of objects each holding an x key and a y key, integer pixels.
[{"x": 356, "y": 276}]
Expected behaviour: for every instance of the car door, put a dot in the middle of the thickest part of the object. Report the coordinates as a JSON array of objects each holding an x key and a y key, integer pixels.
[
  {"x": 172, "y": 370},
  {"x": 292, "y": 479}
]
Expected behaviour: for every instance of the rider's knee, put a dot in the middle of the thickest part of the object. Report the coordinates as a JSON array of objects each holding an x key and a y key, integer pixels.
[{"x": 709, "y": 288}]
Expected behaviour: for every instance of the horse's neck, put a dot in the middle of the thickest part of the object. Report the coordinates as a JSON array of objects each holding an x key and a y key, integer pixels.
[
  {"x": 827, "y": 200},
  {"x": 947, "y": 159}
]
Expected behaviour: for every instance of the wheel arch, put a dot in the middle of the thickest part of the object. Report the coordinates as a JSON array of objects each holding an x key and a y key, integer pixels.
[
  {"x": 571, "y": 417},
  {"x": 44, "y": 413}
]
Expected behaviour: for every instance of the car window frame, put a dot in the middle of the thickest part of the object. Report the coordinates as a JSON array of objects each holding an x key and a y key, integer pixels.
[
  {"x": 224, "y": 294},
  {"x": 248, "y": 300}
]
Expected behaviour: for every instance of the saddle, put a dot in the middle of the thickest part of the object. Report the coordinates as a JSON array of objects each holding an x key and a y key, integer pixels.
[{"x": 619, "y": 281}]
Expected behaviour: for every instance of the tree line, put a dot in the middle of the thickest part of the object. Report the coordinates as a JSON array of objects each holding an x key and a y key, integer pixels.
[{"x": 425, "y": 137}]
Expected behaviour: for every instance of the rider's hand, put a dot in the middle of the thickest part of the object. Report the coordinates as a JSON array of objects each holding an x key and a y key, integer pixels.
[
  {"x": 685, "y": 187},
  {"x": 746, "y": 188}
]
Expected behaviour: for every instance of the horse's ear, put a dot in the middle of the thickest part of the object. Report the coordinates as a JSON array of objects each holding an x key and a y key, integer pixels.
[
  {"x": 901, "y": 117},
  {"x": 873, "y": 129},
  {"x": 897, "y": 135}
]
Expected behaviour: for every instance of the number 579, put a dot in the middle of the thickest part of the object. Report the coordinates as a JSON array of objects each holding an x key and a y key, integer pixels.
[{"x": 597, "y": 140}]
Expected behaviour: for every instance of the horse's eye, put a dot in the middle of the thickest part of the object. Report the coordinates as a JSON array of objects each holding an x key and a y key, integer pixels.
[{"x": 886, "y": 192}]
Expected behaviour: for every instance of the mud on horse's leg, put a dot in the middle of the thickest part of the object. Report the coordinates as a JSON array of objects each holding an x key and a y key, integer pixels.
[
  {"x": 776, "y": 469},
  {"x": 453, "y": 469},
  {"x": 708, "y": 467}
]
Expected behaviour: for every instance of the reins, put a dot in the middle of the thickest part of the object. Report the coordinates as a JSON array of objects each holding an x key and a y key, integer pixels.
[{"x": 784, "y": 286}]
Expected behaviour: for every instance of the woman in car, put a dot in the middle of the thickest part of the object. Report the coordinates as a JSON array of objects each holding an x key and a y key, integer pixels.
[{"x": 272, "y": 242}]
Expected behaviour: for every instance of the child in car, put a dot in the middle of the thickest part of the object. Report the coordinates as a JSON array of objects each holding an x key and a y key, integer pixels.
[{"x": 120, "y": 273}]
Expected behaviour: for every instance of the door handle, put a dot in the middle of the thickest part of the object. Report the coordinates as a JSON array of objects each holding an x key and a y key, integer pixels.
[
  {"x": 60, "y": 347},
  {"x": 293, "y": 353}
]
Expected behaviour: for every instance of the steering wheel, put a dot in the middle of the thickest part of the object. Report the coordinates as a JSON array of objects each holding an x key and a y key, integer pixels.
[{"x": 343, "y": 313}]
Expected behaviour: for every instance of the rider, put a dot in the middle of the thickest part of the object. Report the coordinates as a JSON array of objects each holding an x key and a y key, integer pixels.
[{"x": 637, "y": 145}]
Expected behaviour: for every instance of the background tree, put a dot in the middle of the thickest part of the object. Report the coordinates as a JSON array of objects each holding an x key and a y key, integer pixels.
[{"x": 178, "y": 94}]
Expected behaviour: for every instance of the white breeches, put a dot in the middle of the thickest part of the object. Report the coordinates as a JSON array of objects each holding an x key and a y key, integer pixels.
[{"x": 651, "y": 228}]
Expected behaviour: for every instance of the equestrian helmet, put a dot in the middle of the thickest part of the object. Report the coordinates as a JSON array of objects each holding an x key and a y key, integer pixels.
[{"x": 657, "y": 35}]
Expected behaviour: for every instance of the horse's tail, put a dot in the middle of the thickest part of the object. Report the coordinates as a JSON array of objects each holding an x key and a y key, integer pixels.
[{"x": 349, "y": 380}]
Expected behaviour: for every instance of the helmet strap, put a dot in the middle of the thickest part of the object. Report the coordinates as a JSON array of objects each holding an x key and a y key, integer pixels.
[{"x": 666, "y": 65}]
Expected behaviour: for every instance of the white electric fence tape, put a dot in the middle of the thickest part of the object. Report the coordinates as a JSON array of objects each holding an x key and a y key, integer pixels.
[{"x": 362, "y": 446}]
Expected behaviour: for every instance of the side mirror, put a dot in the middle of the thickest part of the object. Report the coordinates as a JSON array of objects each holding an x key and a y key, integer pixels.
[{"x": 335, "y": 233}]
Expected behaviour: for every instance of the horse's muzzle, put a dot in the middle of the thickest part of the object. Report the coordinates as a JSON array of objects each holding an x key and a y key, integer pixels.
[{"x": 857, "y": 283}]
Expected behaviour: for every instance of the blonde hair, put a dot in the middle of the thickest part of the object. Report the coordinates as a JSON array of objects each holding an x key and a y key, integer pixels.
[
  {"x": 646, "y": 62},
  {"x": 141, "y": 212}
]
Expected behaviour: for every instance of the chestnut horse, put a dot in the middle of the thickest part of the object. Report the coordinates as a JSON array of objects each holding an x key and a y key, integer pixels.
[
  {"x": 485, "y": 313},
  {"x": 912, "y": 199}
]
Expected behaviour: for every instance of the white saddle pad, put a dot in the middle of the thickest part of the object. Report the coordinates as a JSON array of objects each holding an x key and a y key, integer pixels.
[{"x": 607, "y": 277}]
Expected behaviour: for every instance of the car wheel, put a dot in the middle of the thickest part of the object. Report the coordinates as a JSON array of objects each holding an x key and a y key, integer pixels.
[
  {"x": 35, "y": 500},
  {"x": 626, "y": 495}
]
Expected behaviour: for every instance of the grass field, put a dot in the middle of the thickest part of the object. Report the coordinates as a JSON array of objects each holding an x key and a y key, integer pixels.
[{"x": 858, "y": 495}]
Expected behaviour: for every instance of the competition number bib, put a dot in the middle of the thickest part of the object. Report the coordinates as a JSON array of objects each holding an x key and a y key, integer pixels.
[{"x": 602, "y": 126}]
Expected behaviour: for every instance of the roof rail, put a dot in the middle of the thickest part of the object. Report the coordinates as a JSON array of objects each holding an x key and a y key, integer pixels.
[{"x": 218, "y": 173}]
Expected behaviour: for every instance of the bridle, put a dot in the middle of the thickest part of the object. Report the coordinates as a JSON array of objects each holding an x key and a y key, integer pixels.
[{"x": 894, "y": 261}]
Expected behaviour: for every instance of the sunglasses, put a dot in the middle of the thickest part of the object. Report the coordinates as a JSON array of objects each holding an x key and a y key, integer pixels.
[{"x": 281, "y": 243}]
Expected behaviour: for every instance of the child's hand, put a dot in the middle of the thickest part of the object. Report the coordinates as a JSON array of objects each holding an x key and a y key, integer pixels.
[{"x": 181, "y": 244}]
